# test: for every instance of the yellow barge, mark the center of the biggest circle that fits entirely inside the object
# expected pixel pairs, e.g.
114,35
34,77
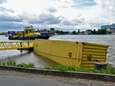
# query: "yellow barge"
73,54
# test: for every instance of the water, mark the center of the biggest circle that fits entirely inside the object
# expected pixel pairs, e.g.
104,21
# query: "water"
15,55
99,39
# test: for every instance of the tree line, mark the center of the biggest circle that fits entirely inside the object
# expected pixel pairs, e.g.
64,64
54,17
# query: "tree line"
89,31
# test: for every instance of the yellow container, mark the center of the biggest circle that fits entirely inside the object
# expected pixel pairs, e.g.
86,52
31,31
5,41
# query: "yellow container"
73,54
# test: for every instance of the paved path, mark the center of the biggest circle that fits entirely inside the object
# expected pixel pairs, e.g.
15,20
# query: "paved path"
8,78
21,81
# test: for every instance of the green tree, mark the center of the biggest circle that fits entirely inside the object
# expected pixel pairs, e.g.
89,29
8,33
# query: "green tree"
102,31
94,31
74,32
52,29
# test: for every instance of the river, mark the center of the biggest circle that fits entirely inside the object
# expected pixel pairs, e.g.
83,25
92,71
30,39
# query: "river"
15,55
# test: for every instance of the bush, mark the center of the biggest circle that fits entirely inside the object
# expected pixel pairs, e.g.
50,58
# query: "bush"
23,65
0,63
20,65
8,63
13,63
62,68
30,65
3,63
108,70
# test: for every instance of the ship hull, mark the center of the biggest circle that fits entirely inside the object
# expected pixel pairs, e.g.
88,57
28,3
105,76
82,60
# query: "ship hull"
27,38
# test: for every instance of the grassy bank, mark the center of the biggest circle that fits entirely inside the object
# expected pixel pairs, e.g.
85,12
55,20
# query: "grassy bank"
108,70
14,64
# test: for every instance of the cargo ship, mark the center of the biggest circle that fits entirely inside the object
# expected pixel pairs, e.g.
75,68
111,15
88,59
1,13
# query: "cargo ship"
29,33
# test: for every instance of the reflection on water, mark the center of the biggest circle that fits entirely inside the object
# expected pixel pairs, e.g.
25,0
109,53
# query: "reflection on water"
31,58
15,55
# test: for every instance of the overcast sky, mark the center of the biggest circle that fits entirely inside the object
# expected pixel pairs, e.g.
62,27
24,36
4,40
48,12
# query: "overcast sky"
69,14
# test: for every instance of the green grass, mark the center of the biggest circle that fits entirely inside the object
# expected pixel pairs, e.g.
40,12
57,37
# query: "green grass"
13,64
61,68
109,69
23,65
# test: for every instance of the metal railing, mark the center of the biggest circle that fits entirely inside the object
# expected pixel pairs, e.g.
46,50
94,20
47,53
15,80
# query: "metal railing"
16,45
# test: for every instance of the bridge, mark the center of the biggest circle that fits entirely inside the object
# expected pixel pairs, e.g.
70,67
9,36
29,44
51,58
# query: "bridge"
20,45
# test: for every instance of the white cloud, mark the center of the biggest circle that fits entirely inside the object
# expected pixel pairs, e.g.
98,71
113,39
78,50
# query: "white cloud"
71,12
29,6
3,1
107,10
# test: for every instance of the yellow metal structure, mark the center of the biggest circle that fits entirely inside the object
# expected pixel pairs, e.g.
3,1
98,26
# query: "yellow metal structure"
74,54
92,53
16,45
28,32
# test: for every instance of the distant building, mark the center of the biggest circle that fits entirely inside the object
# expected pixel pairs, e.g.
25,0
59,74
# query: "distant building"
88,32
110,28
